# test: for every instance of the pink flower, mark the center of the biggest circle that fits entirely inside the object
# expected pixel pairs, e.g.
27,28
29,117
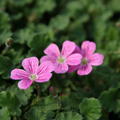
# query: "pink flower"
89,58
33,72
62,60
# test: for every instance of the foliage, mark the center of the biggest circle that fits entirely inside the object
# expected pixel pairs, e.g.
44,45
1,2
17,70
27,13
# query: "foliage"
28,26
91,108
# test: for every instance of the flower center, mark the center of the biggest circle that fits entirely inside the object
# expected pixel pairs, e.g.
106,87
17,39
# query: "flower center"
33,77
61,59
84,61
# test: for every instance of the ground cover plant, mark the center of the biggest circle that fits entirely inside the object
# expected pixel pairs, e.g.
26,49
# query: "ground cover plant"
28,28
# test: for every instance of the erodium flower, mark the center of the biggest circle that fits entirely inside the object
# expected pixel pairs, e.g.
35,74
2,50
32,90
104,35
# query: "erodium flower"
89,58
62,60
33,72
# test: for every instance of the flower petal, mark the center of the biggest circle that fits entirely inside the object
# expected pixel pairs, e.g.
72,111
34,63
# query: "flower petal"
61,68
44,59
96,59
45,77
77,49
68,48
73,68
45,67
52,50
24,84
48,59
30,64
74,59
89,47
18,74
84,70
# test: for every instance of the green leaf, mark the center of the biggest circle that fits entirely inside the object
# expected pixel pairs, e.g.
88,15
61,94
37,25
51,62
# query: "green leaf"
90,108
22,96
4,114
43,36
11,102
71,101
6,65
49,103
110,100
112,35
35,113
75,5
20,3
60,22
114,5
5,31
23,35
100,27
2,4
43,109
74,8
44,86
13,98
44,6
69,116
4,22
